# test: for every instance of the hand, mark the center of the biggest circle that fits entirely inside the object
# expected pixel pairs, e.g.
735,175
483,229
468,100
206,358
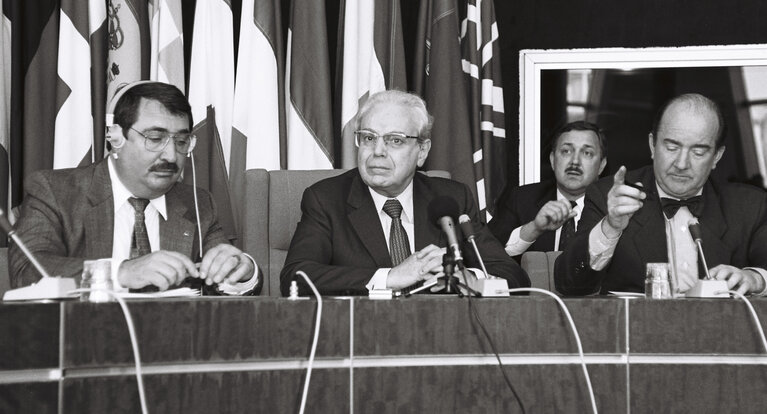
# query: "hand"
226,263
421,265
739,280
622,202
553,215
161,268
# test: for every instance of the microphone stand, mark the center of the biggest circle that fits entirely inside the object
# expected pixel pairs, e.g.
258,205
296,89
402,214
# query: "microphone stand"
448,266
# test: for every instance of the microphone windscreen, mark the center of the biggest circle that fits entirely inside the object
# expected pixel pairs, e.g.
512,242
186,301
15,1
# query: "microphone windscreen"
443,206
466,227
694,227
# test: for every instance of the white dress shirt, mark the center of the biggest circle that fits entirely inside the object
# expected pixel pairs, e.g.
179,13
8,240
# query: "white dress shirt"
516,245
124,220
378,281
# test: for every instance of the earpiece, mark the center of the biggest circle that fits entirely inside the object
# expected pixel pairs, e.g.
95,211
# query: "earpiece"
116,98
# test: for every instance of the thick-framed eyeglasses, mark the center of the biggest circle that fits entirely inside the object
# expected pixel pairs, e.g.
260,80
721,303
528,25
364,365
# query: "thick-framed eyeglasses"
156,141
368,139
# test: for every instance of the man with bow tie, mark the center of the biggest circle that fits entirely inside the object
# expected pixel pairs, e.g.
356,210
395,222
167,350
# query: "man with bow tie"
625,226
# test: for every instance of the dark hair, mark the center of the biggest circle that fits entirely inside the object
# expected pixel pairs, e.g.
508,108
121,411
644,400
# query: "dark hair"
697,102
174,101
582,126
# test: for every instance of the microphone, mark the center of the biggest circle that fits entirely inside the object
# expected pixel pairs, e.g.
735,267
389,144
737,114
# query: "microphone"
694,227
5,225
443,211
468,232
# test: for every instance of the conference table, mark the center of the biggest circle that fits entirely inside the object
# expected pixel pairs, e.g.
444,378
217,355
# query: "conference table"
426,353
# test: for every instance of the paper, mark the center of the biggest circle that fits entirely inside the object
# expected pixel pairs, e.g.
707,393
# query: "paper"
181,292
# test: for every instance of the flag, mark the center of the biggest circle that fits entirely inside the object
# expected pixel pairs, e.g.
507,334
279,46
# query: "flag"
307,90
482,66
258,122
5,109
373,60
439,79
167,43
211,84
129,44
74,127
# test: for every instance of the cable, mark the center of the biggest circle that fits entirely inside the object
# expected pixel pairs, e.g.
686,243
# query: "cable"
314,341
495,351
577,338
196,206
133,340
753,315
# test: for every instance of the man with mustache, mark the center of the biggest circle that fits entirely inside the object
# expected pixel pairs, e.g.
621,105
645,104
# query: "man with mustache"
131,207
544,216
368,228
624,227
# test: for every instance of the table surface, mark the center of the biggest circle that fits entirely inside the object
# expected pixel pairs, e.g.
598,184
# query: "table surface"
424,353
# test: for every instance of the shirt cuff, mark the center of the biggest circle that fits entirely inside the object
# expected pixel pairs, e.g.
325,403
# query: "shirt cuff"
516,245
601,247
378,281
241,288
116,286
763,274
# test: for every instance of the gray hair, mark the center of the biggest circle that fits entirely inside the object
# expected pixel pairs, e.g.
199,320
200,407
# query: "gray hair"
410,100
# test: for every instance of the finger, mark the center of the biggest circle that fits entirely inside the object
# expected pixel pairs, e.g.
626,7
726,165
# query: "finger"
619,176
228,264
175,267
207,260
718,272
624,210
243,271
157,279
425,251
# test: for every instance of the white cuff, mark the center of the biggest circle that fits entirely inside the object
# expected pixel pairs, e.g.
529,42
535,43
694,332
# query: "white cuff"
378,281
516,245
116,286
241,288
763,274
601,247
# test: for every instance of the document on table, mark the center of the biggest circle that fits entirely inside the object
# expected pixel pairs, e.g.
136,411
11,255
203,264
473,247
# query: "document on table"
181,292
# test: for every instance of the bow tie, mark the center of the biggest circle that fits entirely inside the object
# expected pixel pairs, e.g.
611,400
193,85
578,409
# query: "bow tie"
671,206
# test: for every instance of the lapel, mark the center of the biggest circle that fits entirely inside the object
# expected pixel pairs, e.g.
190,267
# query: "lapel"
546,240
98,219
364,220
713,226
650,225
178,231
425,232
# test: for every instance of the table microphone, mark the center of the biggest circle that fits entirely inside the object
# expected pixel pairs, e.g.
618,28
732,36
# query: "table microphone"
468,232
707,288
486,286
694,227
5,225
443,211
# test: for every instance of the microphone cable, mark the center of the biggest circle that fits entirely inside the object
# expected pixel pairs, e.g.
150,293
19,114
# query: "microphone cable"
196,205
575,333
753,315
310,363
133,341
495,351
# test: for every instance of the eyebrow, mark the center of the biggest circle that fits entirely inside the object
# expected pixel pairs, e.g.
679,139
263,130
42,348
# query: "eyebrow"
671,141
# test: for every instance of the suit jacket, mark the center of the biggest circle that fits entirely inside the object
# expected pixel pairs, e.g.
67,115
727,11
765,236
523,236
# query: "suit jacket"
519,206
340,244
733,226
68,216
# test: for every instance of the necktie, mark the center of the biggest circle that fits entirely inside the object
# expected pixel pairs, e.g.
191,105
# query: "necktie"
671,206
140,240
399,246
568,230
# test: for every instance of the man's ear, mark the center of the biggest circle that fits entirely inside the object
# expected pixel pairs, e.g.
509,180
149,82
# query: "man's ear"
423,151
650,140
718,156
114,134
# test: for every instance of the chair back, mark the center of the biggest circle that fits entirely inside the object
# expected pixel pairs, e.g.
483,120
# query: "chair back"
540,268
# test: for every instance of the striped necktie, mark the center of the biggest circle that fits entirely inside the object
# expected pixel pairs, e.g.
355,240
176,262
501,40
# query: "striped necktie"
399,246
140,241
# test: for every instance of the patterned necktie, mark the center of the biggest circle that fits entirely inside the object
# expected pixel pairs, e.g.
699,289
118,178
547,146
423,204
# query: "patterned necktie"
568,230
399,246
671,206
140,241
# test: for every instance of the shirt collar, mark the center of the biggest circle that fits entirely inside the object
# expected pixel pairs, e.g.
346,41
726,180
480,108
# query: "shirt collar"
405,198
120,194
578,201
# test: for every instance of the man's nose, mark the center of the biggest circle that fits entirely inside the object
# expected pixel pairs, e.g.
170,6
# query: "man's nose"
682,160
380,147
169,152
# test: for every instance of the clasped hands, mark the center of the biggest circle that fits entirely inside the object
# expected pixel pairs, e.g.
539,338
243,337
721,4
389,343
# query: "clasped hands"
423,265
164,269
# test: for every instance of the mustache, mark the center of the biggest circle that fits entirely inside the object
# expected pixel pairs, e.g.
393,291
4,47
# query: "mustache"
164,167
574,169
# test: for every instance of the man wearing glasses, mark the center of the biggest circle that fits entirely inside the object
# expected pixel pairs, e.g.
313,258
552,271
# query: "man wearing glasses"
368,228
131,207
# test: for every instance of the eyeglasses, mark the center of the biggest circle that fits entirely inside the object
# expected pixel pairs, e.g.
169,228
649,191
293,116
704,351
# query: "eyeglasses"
368,139
156,141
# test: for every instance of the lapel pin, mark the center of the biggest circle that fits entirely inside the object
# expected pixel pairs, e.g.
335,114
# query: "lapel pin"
187,233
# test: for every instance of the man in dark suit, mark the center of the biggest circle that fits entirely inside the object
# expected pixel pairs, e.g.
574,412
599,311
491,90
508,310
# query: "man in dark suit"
131,207
358,230
624,228
543,216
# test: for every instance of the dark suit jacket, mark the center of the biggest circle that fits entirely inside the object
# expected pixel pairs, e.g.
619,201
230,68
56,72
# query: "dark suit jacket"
339,242
68,217
733,225
519,206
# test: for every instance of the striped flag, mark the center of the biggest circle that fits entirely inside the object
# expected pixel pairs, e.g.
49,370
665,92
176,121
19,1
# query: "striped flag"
211,86
482,66
167,43
5,109
74,129
129,44
373,60
439,79
307,90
